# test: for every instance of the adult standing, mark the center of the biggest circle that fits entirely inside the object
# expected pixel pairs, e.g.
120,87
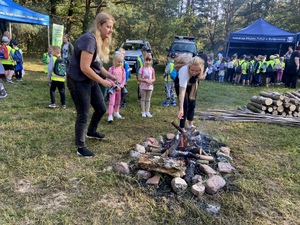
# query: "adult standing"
84,73
287,57
292,69
67,49
189,77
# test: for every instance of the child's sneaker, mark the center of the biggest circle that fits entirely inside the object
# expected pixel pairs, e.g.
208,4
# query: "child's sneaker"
84,152
64,106
144,114
173,103
117,115
9,80
52,105
148,114
110,119
166,104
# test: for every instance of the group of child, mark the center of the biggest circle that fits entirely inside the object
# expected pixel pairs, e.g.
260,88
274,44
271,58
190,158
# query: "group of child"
247,70
116,95
11,57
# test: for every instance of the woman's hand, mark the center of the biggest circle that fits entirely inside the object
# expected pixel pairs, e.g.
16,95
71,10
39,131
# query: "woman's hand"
106,83
180,114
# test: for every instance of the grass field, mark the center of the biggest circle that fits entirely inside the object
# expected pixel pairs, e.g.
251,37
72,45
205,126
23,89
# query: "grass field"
43,181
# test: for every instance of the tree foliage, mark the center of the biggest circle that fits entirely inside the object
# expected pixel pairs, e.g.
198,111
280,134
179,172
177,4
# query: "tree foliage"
209,21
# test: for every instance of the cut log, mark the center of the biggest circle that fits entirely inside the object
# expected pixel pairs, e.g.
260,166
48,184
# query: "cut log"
269,109
272,95
282,113
294,101
254,109
289,106
274,112
173,167
286,100
295,114
259,106
280,108
277,102
262,100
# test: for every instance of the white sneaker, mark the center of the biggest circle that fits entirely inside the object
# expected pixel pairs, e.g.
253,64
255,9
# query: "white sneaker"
144,114
189,126
110,119
117,115
148,114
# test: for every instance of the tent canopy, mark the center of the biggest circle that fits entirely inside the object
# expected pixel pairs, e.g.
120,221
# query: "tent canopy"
260,38
262,32
13,12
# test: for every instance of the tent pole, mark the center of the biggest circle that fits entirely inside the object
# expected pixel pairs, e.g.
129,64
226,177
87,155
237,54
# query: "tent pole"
9,25
280,48
48,37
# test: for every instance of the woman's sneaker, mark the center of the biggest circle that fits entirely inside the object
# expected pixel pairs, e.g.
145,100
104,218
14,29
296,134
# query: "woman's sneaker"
84,152
144,114
96,135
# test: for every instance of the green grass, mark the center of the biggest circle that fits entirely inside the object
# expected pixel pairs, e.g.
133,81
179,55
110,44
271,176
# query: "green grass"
43,181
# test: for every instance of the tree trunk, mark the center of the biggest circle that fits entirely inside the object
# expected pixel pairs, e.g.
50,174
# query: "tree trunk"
262,100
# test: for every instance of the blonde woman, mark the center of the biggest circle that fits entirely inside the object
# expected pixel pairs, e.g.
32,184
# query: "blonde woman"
84,74
189,76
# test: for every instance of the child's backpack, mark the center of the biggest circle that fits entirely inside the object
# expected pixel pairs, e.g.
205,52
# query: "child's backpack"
238,68
60,67
17,56
263,67
3,52
45,58
269,69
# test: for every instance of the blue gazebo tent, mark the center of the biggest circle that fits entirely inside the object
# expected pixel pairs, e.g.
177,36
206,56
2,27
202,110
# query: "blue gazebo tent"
12,12
261,38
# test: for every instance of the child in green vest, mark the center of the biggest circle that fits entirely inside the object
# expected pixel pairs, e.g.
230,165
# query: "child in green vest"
169,82
46,58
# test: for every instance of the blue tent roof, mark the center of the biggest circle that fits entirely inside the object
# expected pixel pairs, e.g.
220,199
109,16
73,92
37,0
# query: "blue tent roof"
11,11
262,32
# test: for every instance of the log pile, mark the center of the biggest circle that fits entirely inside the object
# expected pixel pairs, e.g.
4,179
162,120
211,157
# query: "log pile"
286,105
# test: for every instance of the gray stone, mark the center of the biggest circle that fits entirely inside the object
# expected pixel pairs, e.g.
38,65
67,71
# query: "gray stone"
121,168
214,183
178,184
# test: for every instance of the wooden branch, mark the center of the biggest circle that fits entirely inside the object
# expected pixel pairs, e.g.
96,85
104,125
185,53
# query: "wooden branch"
254,109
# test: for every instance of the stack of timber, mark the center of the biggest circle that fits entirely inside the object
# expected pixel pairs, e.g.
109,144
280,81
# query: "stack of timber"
287,105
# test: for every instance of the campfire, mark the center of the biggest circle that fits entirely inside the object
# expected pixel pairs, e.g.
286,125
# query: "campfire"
192,159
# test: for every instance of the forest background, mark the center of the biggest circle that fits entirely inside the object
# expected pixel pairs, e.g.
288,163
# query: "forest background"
158,21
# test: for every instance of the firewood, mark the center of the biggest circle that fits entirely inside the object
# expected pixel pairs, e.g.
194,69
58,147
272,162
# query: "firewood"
274,112
262,100
282,113
254,109
270,109
272,95
289,106
277,102
296,94
295,114
171,166
289,94
294,101
208,158
280,108
259,106
286,100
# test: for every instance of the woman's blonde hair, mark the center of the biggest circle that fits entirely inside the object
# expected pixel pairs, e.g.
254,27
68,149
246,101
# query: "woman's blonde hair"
102,45
197,61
